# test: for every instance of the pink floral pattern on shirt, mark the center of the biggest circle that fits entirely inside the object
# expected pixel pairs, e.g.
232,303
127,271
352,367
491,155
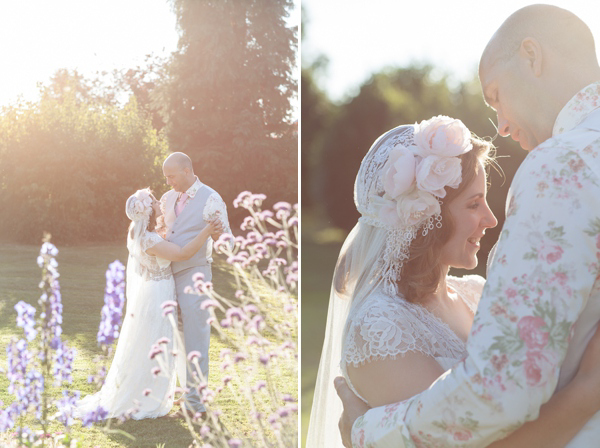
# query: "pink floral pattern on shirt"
544,272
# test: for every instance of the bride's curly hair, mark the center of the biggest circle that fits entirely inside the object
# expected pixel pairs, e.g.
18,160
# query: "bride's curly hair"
422,273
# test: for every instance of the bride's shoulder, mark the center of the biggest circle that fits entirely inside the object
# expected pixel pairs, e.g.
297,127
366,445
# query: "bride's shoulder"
470,286
379,306
470,281
149,239
384,326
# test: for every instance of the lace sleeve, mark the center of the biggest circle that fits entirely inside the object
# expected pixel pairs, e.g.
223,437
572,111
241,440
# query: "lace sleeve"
386,328
149,240
215,208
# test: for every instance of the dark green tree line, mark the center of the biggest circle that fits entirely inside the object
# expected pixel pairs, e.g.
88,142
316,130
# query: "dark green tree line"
227,98
335,138
69,162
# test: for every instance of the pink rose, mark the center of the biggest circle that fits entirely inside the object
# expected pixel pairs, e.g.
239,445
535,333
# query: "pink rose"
462,434
361,437
550,253
499,361
598,241
434,173
387,212
442,136
399,171
416,206
530,331
538,365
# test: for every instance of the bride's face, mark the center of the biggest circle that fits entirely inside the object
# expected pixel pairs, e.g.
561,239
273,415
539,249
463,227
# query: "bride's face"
471,215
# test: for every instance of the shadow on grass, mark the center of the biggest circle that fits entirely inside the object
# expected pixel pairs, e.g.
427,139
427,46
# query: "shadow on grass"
152,432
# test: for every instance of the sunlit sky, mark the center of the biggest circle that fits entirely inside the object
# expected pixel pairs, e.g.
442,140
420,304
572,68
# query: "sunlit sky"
360,37
39,37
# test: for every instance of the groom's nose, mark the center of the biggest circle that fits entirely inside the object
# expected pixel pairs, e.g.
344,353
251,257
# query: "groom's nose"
503,126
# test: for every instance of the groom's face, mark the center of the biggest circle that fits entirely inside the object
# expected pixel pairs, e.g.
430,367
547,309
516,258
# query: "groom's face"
176,177
506,88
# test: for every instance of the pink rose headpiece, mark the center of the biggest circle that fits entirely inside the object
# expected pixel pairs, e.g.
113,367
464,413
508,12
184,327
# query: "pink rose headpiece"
402,180
139,206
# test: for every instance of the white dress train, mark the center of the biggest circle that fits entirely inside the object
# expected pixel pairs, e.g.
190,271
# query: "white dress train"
149,284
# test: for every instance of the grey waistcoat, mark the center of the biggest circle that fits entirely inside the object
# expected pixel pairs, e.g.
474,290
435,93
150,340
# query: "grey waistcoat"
187,225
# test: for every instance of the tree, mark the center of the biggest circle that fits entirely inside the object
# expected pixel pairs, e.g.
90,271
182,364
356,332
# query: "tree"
317,115
68,164
227,99
385,101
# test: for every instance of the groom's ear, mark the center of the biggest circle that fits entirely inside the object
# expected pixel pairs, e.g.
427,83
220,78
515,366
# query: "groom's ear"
531,52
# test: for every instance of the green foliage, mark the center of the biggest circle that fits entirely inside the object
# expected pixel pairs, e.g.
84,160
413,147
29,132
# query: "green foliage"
69,162
335,138
227,99
317,115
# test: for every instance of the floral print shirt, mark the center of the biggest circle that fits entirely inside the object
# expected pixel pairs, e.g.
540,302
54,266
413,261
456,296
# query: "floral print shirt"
544,279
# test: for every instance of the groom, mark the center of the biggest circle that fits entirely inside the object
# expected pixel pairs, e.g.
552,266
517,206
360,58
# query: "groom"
187,208
541,302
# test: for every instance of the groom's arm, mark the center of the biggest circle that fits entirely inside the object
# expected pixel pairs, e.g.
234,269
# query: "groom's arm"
218,210
545,266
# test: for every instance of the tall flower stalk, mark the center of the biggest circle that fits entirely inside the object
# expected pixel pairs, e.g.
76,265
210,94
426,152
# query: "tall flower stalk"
42,360
30,369
260,324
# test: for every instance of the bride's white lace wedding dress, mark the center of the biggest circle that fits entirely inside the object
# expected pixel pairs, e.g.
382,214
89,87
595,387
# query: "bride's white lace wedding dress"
149,284
381,326
387,327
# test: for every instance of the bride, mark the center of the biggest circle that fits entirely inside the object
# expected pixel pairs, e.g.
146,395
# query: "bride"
396,319
133,386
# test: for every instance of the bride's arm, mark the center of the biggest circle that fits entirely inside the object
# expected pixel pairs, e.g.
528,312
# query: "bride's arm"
173,252
567,411
388,381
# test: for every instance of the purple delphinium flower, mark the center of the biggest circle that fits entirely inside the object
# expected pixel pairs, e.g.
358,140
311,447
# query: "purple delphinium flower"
94,416
63,363
114,299
234,442
66,406
50,300
7,420
26,319
18,356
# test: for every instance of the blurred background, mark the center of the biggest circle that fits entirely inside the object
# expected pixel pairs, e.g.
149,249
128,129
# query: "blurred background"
366,68
94,95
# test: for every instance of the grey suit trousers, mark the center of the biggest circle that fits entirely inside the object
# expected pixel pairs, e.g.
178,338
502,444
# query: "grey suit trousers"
195,331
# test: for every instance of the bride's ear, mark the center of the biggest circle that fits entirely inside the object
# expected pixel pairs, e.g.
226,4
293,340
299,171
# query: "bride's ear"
531,52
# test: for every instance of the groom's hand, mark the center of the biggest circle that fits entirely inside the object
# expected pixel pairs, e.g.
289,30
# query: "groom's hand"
354,407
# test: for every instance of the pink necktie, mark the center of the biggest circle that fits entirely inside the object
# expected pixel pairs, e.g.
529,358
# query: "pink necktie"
180,204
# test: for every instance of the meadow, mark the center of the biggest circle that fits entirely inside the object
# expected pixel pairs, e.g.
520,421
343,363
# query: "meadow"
82,279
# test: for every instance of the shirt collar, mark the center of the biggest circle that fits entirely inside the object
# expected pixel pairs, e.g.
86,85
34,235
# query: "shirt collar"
191,192
578,108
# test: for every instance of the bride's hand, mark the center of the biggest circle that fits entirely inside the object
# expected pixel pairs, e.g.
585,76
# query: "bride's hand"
215,227
588,374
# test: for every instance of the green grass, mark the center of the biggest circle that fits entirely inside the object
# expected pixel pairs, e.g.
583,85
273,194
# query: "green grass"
82,279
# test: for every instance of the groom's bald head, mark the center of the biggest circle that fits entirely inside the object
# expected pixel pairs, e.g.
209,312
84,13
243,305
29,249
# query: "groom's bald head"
538,59
179,160
179,171
555,28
